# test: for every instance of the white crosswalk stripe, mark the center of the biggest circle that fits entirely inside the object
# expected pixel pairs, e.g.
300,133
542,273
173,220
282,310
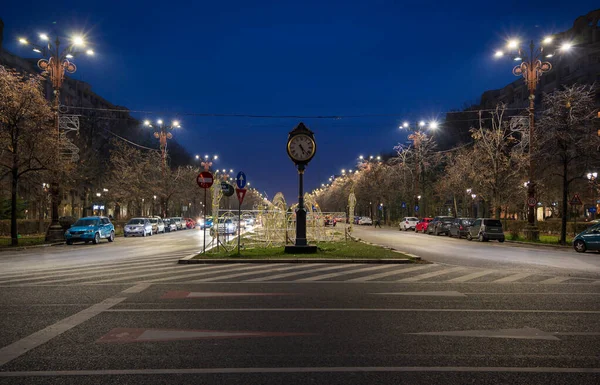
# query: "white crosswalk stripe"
164,268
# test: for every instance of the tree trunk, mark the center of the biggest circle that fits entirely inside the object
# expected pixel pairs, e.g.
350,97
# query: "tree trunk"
455,206
14,240
565,188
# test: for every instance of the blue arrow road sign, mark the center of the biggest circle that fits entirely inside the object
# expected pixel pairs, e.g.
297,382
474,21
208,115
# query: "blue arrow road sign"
416,208
592,209
241,179
403,205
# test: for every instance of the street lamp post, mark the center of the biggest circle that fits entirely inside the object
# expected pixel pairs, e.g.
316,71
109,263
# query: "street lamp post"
55,67
417,137
468,194
473,196
592,176
163,133
531,68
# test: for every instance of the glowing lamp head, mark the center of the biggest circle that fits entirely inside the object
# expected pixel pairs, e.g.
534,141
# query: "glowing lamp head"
513,44
547,40
69,56
215,157
518,58
43,36
176,123
22,40
197,156
90,52
37,50
566,46
159,121
146,122
499,54
434,125
78,40
361,157
421,124
405,124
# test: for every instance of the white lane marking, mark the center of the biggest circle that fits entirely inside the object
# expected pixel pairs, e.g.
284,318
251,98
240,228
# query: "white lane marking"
349,369
178,268
79,269
137,288
555,280
271,277
512,278
265,270
155,310
22,346
421,277
388,273
523,333
76,276
427,293
471,276
347,272
212,269
304,369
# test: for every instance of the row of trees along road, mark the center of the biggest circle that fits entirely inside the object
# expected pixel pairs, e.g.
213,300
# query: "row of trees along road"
494,165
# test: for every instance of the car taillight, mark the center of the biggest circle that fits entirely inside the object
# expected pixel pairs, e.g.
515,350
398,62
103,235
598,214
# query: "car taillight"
461,227
407,222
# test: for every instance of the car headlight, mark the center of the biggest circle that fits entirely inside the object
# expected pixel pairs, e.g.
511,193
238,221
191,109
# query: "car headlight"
67,232
90,231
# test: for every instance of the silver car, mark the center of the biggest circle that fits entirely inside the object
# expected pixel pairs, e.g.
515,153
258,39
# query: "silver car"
138,226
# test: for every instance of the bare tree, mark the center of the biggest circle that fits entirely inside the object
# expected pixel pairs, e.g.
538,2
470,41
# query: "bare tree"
567,144
28,139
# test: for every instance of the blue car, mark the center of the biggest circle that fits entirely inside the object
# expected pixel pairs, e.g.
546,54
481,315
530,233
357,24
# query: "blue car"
90,229
589,239
203,225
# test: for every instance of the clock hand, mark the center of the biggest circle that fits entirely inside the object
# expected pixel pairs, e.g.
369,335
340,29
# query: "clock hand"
302,148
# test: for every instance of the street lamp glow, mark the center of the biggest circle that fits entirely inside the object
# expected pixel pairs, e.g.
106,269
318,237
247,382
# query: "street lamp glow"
513,44
78,40
405,124
518,58
197,156
89,52
361,157
22,40
343,171
378,157
434,125
37,50
146,122
159,121
422,123
69,56
566,46
547,40
215,157
371,157
98,194
549,55
230,170
469,191
473,196
350,171
43,36
176,123
499,54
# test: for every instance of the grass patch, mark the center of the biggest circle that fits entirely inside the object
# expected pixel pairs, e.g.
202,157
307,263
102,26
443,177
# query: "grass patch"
544,239
341,250
26,240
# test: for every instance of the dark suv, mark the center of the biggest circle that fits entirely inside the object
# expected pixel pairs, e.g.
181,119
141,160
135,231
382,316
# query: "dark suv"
440,225
485,229
460,227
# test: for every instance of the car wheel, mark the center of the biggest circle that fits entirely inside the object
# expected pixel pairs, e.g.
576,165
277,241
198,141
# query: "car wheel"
579,246
501,240
69,242
144,233
96,239
482,238
111,237
125,235
86,242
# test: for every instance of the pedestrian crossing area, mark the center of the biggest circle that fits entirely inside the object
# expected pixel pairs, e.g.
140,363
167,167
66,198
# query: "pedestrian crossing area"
165,269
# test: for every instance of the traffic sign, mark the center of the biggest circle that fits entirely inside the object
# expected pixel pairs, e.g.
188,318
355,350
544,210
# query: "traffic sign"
204,179
592,209
227,189
240,180
241,193
403,205
576,200
416,208
531,201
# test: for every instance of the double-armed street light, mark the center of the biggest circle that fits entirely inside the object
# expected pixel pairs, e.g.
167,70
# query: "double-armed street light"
533,62
417,136
57,59
592,178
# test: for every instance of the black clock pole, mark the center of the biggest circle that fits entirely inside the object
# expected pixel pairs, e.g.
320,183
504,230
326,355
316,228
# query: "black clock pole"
301,213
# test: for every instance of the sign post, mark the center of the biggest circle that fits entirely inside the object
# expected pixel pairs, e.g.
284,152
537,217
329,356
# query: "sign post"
204,180
240,180
575,202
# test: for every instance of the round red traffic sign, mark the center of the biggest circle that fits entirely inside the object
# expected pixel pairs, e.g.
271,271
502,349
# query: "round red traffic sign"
531,201
205,179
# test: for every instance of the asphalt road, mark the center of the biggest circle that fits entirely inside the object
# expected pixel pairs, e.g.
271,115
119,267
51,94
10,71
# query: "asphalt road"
128,313
492,254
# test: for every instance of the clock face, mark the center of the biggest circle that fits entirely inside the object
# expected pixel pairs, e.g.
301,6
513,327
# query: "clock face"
301,147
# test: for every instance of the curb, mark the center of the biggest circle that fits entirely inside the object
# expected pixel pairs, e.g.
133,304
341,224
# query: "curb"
20,248
187,260
415,257
539,244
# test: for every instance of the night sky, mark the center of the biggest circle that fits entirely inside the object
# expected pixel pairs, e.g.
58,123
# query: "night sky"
179,58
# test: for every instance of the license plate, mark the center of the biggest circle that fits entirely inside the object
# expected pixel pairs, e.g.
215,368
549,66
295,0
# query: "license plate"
75,235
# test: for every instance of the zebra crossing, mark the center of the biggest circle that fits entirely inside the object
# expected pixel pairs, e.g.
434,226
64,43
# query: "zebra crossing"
164,269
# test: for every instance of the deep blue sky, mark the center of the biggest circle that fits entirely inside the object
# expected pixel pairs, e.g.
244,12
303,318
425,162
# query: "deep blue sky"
417,60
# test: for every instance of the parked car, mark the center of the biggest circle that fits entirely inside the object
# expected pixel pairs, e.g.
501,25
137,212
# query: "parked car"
169,225
241,223
250,220
179,222
460,226
485,229
138,226
408,223
423,224
90,229
589,239
439,225
158,225
226,226
189,223
365,221
208,224
329,221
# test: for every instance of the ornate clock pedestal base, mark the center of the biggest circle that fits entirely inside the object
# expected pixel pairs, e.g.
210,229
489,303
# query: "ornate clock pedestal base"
308,249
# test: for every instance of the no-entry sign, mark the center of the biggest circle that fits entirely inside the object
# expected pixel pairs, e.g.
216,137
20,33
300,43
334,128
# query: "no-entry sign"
205,179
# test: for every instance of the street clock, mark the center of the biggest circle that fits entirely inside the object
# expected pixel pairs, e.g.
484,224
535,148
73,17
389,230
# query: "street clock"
301,145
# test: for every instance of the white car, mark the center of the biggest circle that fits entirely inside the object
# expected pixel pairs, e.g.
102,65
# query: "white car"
226,226
365,221
158,226
408,223
137,226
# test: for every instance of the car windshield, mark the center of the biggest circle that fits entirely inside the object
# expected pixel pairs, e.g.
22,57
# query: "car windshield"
86,222
411,219
153,220
136,221
447,220
492,222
